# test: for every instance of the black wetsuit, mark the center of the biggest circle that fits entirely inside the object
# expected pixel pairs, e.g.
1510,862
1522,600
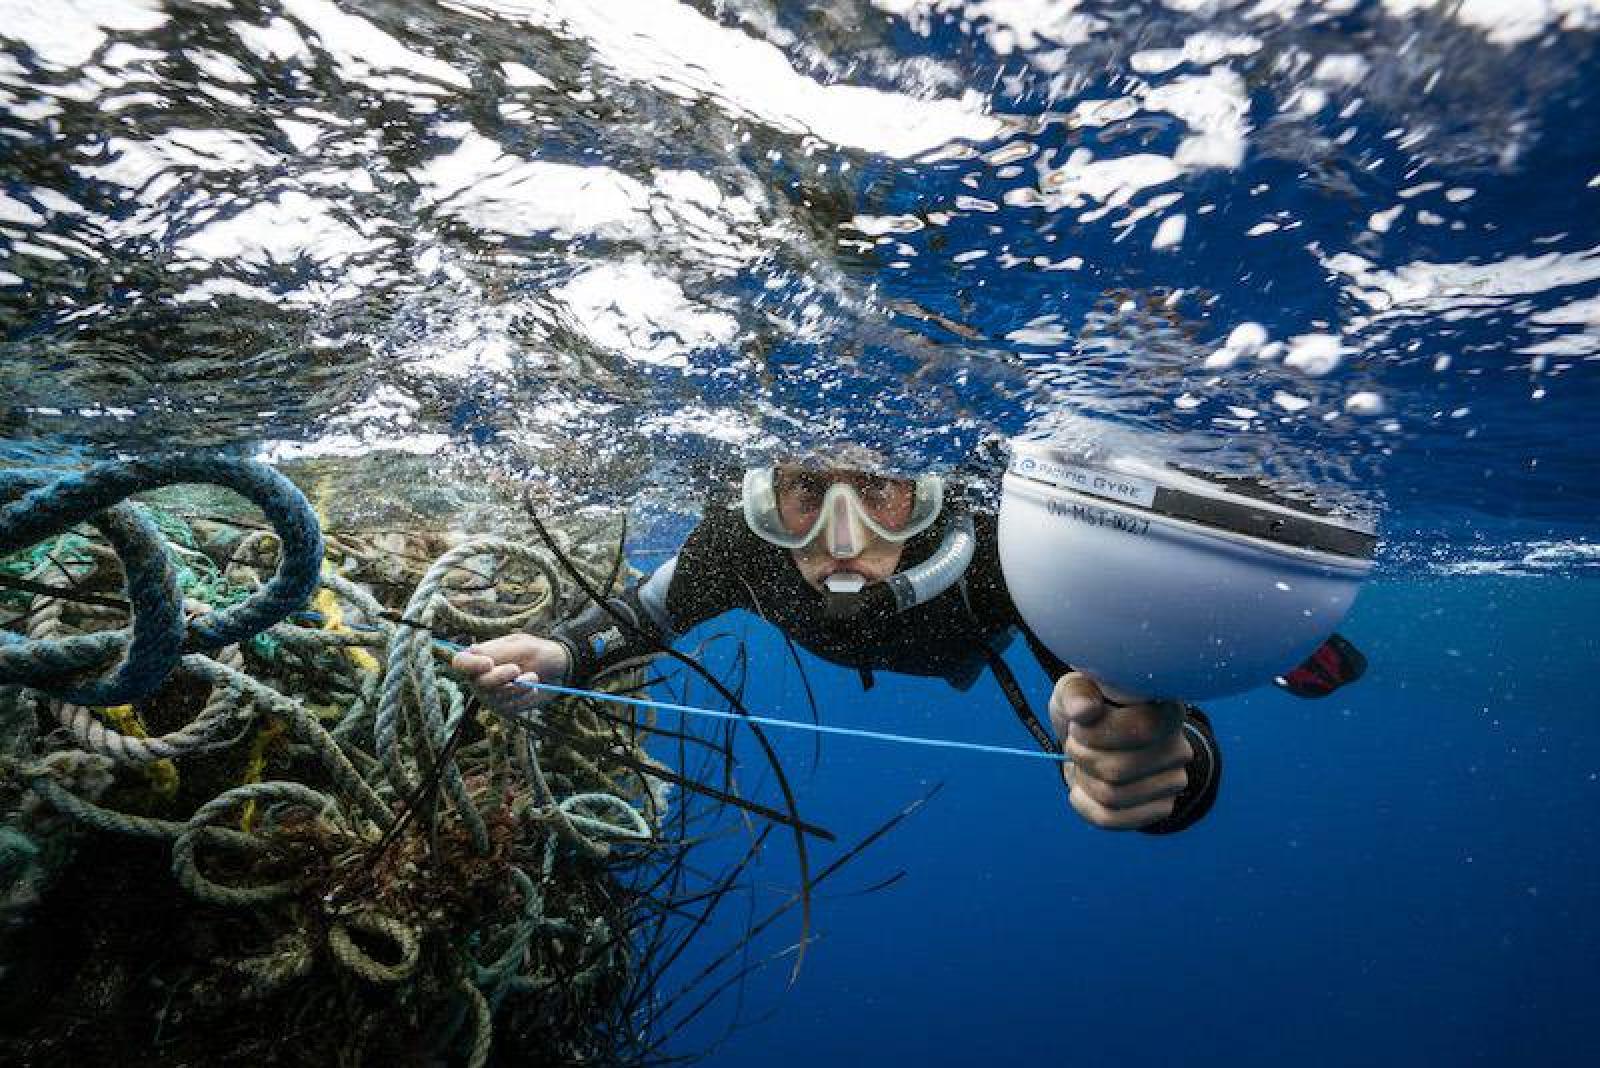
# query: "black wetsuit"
724,566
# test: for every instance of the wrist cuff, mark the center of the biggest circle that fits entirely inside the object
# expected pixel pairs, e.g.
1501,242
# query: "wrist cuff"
1205,777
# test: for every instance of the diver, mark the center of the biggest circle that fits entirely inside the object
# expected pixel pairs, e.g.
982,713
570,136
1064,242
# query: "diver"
881,573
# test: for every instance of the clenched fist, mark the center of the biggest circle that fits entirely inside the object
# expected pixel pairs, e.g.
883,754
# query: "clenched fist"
1127,760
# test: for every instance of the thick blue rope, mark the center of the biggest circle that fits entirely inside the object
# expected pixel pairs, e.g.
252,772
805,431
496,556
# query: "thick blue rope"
159,636
149,653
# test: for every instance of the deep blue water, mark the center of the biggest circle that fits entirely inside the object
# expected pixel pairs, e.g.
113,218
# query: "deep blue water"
1403,873
604,249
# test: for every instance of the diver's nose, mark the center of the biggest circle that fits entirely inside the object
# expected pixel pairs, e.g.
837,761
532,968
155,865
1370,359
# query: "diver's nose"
846,538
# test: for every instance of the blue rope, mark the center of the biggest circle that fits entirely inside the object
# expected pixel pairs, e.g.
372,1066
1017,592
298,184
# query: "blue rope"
159,635
768,721
148,654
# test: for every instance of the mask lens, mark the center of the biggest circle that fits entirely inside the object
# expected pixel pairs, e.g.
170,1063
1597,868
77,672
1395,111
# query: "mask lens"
888,501
800,496
790,506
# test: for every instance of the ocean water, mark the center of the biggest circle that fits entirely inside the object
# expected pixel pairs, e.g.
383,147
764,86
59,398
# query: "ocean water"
607,250
1402,873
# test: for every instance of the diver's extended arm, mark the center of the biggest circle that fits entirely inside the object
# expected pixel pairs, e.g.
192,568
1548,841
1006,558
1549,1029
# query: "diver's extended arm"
624,631
627,629
698,584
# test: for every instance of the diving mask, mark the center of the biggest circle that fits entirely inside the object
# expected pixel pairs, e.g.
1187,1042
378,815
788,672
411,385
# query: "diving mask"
792,506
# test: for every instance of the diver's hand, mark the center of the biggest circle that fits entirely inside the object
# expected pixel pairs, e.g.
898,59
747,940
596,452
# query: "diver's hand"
495,667
1128,761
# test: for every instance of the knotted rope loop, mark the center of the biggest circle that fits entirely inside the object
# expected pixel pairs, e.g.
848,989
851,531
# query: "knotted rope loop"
149,653
405,940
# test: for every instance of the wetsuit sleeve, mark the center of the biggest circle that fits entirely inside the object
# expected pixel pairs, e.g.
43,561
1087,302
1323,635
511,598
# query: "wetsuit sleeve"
1205,776
613,636
633,627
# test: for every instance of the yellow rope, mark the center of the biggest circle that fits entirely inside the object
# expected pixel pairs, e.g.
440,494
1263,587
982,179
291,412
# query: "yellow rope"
332,620
255,766
162,774
325,602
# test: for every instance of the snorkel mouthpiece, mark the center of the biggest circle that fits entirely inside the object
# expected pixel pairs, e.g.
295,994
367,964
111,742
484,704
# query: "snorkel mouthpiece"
848,595
845,582
842,598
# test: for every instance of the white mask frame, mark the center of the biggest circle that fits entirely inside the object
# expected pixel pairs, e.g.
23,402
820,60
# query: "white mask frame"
842,517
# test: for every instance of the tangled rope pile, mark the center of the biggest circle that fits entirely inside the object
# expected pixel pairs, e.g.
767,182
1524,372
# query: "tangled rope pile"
352,842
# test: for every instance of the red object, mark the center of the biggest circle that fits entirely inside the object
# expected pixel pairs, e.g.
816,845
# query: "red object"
1335,663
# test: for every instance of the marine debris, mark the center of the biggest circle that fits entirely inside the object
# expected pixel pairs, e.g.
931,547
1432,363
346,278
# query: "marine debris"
258,821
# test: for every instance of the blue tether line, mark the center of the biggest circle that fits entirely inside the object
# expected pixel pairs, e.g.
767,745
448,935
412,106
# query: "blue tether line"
768,721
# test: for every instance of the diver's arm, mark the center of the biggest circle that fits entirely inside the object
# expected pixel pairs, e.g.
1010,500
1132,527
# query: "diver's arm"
698,584
622,632
629,628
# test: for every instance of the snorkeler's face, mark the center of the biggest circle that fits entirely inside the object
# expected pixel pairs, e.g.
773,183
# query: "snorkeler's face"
856,522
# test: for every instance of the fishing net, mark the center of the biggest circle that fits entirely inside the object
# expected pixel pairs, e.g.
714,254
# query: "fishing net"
313,847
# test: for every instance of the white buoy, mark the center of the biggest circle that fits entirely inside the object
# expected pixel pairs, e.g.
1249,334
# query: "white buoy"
1159,583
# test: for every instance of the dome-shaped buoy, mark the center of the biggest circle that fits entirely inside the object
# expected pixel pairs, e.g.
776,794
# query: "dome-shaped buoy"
1159,582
